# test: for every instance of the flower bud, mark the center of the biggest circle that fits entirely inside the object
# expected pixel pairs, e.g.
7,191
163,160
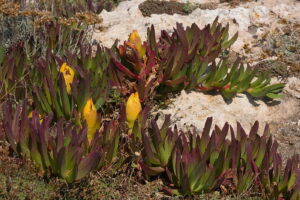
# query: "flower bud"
68,74
133,108
135,40
89,114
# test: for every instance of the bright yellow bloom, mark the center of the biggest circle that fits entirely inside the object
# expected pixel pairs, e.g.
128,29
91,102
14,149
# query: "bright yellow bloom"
30,116
135,42
89,114
68,74
133,108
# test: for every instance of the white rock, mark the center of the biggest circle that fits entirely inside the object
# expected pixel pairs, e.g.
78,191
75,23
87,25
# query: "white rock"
283,10
127,16
293,87
194,108
260,15
198,1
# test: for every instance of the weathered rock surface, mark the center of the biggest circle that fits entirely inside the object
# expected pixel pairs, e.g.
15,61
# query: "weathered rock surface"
252,20
293,87
263,15
193,108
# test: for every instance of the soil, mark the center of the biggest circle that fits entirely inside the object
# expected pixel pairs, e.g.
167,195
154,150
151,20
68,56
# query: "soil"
170,7
274,67
20,179
284,43
234,2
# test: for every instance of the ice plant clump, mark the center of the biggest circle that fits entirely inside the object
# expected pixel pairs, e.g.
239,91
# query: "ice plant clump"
133,108
158,147
68,74
136,61
89,114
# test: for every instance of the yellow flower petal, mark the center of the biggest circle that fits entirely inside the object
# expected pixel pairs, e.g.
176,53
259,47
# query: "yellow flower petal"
31,114
133,108
68,74
135,39
89,114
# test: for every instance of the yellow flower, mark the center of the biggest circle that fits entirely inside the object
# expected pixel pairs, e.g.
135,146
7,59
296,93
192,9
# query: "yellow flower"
89,114
135,42
133,108
30,116
68,74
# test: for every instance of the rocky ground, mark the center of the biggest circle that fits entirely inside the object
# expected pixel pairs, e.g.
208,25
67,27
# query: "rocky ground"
269,38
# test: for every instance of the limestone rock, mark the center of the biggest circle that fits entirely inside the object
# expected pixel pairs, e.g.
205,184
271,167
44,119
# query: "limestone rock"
192,109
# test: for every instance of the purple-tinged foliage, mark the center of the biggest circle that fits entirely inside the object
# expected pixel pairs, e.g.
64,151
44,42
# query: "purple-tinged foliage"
184,56
158,146
133,67
173,63
185,59
15,130
90,81
209,161
62,148
14,71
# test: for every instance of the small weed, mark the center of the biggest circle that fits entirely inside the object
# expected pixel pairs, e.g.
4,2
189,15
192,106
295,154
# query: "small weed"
188,7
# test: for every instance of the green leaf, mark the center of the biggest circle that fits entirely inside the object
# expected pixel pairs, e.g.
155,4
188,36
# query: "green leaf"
291,181
274,96
36,156
42,100
258,81
87,164
227,44
69,164
113,148
2,54
65,97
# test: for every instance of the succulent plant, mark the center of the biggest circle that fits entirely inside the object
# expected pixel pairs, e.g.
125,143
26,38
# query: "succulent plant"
237,79
51,95
15,130
276,181
136,64
14,71
288,185
197,163
137,57
61,148
158,147
187,52
74,83
185,59
67,91
94,65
